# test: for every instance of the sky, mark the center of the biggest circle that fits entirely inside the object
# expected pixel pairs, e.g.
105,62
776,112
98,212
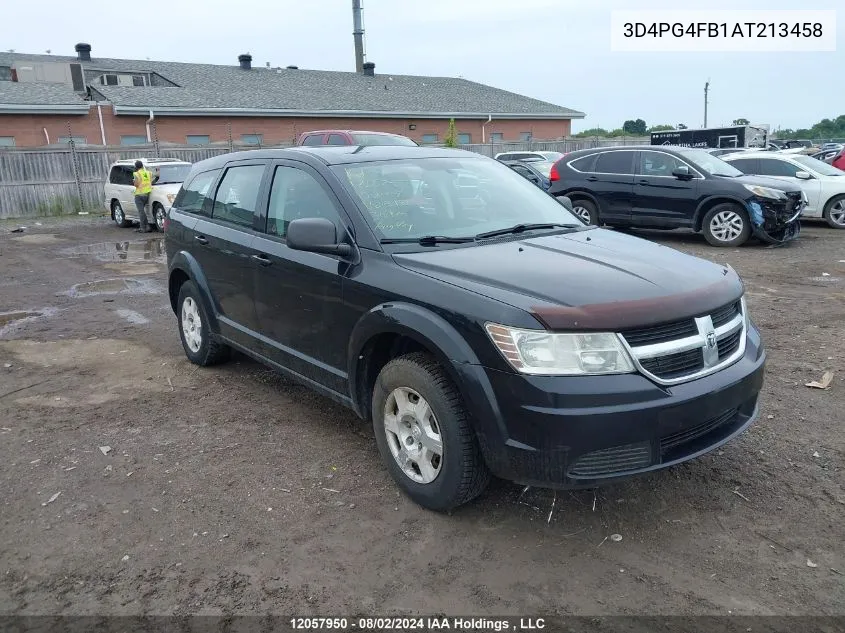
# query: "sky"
556,51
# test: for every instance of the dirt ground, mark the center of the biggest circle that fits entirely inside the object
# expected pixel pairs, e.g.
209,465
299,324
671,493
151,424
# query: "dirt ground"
229,490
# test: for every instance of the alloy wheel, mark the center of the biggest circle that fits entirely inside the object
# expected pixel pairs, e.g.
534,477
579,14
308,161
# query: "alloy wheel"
837,212
726,226
413,435
119,217
161,215
191,324
582,213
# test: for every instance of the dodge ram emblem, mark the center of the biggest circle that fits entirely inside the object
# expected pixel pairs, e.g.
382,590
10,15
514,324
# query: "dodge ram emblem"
711,340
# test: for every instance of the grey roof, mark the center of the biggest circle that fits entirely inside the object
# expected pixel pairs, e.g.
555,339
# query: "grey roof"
48,98
204,87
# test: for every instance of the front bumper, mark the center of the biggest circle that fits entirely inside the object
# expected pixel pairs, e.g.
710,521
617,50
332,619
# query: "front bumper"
776,222
574,432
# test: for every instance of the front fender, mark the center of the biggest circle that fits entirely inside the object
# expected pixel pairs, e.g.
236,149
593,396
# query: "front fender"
184,264
450,348
704,204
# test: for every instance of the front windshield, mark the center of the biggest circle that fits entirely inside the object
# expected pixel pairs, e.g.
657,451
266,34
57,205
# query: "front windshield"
169,174
709,163
817,166
449,197
382,139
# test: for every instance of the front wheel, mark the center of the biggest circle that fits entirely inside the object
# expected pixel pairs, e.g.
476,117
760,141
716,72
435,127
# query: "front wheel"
424,435
160,216
118,215
726,225
834,212
200,346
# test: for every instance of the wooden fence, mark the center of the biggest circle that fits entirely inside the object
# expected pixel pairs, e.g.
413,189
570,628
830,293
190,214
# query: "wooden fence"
38,182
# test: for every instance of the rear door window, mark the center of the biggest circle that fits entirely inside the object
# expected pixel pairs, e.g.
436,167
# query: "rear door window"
236,200
615,163
774,167
196,196
745,165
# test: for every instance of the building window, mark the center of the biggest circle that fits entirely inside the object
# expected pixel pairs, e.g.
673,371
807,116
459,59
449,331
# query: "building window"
497,137
252,139
464,139
76,139
133,139
525,136
198,139
429,138
7,141
5,73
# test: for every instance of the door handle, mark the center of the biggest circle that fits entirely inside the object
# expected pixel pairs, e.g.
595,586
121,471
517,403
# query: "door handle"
201,239
643,181
262,259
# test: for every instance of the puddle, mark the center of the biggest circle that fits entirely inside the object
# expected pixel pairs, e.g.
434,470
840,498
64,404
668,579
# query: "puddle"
38,238
10,321
139,251
135,318
114,287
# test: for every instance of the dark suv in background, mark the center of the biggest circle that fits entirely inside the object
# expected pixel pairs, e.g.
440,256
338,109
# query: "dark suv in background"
668,188
476,322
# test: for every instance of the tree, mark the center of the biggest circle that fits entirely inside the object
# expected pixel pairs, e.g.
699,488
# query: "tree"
593,131
635,128
681,126
824,129
660,128
451,139
741,122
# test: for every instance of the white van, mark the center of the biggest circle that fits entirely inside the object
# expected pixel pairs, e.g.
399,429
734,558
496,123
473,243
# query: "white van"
119,190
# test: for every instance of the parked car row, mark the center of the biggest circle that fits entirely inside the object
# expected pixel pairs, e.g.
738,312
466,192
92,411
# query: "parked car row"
119,190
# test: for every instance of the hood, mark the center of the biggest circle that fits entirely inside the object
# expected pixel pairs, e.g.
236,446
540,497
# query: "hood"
170,187
593,279
763,181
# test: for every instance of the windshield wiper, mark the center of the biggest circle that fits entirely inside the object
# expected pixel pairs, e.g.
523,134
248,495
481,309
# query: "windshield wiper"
427,240
520,228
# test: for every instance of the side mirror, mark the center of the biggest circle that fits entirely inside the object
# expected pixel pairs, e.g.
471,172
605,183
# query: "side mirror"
566,203
316,235
682,172
802,175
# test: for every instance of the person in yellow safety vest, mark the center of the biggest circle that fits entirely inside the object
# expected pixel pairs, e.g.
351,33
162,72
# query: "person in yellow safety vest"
143,189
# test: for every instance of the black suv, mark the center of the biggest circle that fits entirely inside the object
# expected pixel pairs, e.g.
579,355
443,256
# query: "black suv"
669,188
476,322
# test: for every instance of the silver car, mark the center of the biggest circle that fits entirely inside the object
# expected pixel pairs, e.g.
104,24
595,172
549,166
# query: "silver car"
119,190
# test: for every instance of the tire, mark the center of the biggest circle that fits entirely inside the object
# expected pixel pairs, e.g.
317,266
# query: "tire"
200,346
459,474
118,215
834,212
726,225
586,210
159,215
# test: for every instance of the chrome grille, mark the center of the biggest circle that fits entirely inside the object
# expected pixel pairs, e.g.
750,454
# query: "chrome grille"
713,341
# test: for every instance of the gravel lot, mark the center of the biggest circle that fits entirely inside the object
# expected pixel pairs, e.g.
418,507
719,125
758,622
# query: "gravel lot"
230,490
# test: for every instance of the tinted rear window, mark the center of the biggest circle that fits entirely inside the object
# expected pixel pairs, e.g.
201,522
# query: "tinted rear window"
196,196
585,163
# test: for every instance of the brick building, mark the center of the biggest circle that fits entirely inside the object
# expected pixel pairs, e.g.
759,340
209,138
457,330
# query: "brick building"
45,99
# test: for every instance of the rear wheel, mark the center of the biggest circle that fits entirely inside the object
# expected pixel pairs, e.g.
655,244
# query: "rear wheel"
586,210
834,212
118,215
726,225
194,329
424,435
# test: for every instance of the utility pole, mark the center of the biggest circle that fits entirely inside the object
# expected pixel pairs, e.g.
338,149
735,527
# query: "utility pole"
358,35
706,89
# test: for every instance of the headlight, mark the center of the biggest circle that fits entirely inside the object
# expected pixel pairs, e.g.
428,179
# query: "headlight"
766,192
553,354
171,197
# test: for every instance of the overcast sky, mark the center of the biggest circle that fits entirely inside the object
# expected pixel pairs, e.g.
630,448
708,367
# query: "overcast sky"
557,51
